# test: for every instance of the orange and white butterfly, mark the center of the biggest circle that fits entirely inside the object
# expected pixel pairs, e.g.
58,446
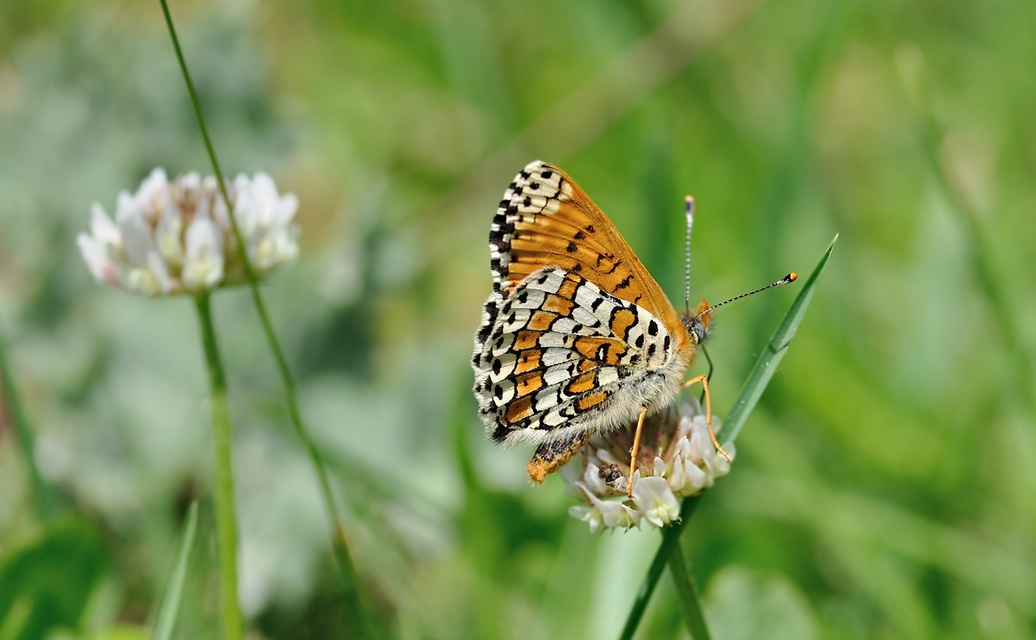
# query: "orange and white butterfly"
576,338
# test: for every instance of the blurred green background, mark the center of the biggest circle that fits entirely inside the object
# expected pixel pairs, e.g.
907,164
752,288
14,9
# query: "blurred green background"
883,489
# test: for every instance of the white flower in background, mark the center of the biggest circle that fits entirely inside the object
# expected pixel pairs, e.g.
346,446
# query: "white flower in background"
175,237
677,459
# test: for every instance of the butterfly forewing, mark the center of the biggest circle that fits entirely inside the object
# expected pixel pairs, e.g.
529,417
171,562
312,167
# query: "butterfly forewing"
546,219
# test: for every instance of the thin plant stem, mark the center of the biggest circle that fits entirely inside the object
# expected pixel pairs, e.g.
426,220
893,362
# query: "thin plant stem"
670,539
753,388
338,542
226,522
687,595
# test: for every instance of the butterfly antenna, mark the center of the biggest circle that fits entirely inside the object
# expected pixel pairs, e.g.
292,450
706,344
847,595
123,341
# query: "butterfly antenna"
687,253
788,279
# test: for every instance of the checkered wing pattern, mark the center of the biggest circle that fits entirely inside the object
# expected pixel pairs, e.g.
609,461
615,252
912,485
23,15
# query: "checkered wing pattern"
565,357
576,336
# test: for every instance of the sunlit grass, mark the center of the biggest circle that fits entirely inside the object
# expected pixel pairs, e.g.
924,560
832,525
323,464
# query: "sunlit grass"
884,486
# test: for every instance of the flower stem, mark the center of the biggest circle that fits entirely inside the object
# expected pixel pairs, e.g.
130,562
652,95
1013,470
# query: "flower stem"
670,540
226,523
687,596
338,541
746,401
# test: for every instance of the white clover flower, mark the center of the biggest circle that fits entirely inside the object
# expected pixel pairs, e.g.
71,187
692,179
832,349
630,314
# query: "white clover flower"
175,237
607,513
677,459
655,499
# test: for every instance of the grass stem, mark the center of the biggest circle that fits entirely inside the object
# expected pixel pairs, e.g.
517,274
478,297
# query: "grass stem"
226,520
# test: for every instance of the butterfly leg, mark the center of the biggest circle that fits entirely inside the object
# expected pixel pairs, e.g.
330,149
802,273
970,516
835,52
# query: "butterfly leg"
635,450
708,412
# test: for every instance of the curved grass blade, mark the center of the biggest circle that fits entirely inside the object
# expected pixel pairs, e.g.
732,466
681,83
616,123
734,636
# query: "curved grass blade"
170,606
772,355
687,596
746,401
339,545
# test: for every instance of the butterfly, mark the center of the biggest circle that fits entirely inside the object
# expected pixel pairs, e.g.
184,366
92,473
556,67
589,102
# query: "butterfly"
576,338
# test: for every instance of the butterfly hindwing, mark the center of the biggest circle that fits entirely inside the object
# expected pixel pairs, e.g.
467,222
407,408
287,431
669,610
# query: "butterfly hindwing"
563,357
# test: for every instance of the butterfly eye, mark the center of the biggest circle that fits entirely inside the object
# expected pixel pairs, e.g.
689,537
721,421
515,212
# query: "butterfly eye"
697,329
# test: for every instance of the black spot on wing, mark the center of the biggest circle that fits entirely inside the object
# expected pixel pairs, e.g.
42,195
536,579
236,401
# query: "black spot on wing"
625,282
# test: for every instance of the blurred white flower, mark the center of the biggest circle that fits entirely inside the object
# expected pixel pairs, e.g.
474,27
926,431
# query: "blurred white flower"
175,237
677,459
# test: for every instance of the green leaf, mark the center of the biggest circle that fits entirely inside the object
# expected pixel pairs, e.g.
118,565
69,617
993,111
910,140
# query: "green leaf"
746,401
772,355
46,584
165,620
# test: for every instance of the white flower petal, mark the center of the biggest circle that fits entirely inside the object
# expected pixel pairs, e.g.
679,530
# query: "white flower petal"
168,234
169,237
593,481
101,267
125,208
658,467
136,241
273,250
203,265
102,228
609,513
151,193
695,479
655,500
687,466
591,515
616,514
142,280
158,268
285,210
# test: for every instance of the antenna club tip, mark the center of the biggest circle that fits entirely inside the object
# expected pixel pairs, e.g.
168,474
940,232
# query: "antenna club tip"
791,277
689,201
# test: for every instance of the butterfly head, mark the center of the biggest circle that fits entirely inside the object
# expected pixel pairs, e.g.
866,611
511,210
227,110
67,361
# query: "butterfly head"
697,324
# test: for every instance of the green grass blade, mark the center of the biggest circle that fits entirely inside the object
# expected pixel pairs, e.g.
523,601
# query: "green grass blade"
339,545
687,596
747,399
166,618
670,538
772,355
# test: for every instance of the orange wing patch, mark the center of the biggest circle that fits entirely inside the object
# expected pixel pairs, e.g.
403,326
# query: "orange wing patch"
622,320
590,401
582,384
528,361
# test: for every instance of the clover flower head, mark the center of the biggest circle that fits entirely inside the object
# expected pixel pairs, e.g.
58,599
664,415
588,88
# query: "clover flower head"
174,237
676,459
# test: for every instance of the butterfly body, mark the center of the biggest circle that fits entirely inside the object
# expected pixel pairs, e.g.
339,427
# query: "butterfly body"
576,338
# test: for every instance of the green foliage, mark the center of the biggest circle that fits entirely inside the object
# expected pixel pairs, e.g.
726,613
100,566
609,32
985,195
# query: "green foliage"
45,584
883,487
165,620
